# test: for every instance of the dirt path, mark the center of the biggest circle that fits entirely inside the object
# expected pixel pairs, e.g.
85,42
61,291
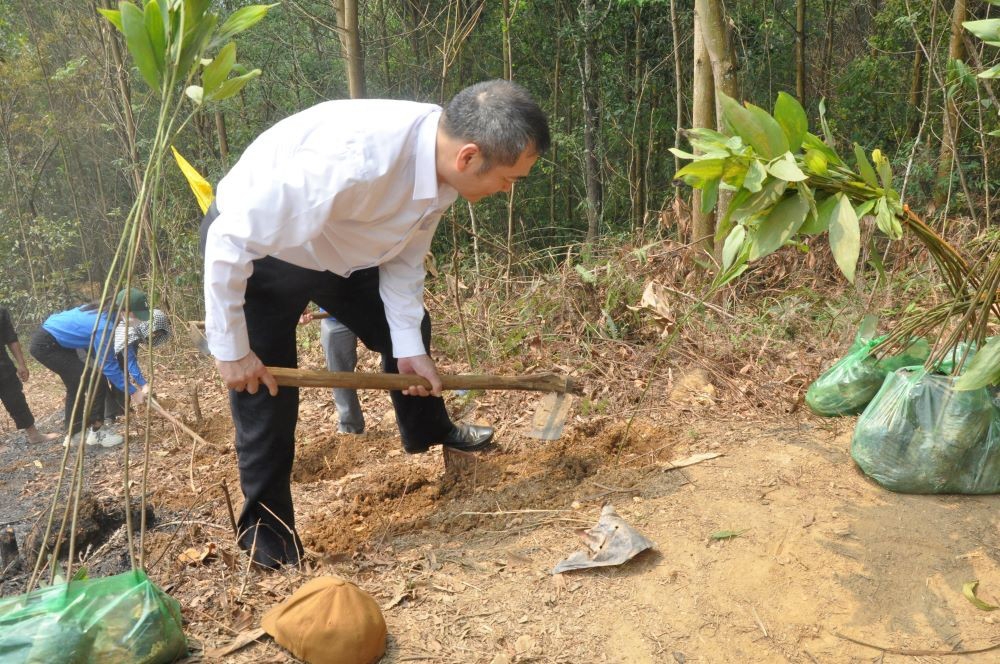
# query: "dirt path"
462,563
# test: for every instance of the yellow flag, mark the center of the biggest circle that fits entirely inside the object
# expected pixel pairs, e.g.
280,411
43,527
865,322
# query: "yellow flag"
199,185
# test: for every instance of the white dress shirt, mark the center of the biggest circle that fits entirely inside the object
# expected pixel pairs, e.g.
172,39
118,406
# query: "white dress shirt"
342,186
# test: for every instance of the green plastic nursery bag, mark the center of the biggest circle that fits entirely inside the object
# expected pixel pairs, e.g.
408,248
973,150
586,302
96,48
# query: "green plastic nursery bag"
920,435
115,619
848,386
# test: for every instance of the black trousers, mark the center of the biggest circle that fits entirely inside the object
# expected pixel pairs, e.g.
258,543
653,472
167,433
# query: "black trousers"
276,294
12,397
70,368
114,399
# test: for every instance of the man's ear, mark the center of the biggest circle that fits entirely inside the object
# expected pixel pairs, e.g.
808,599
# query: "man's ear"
467,154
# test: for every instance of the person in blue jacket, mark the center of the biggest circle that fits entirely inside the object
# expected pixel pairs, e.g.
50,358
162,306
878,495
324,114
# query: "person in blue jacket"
92,329
156,331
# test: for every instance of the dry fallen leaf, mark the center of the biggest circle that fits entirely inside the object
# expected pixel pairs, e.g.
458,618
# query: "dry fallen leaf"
240,641
193,556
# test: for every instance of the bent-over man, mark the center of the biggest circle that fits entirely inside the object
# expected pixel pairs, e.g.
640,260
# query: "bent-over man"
337,205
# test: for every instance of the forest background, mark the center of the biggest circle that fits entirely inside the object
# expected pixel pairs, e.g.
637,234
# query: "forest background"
618,80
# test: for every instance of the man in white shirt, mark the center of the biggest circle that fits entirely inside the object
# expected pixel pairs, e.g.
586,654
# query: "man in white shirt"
338,205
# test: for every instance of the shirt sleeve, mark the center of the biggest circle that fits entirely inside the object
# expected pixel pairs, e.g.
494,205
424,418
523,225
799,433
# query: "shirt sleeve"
133,365
102,344
401,285
285,214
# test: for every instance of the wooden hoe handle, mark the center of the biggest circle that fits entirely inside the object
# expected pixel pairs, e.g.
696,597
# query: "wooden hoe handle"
382,381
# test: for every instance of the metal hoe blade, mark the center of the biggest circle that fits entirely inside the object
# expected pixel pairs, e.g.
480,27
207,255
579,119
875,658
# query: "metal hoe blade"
550,416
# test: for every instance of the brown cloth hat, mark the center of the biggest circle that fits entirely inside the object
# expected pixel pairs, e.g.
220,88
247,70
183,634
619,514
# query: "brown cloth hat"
329,621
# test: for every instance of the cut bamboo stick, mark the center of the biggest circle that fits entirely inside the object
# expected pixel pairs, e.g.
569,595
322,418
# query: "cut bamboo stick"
382,381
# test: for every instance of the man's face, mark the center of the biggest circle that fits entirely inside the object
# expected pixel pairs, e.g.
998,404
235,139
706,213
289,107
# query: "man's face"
473,185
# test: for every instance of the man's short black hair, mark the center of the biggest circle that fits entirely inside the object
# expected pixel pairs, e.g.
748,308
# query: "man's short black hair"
501,118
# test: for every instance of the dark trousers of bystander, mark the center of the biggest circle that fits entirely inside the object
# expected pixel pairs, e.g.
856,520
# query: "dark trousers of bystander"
70,368
12,397
276,294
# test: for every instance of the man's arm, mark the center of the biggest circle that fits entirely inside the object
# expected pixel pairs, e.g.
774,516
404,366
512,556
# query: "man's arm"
21,365
401,285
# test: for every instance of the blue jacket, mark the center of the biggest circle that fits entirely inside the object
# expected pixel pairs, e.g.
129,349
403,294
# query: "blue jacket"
74,329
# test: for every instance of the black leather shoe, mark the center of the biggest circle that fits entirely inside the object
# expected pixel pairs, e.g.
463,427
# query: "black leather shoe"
468,437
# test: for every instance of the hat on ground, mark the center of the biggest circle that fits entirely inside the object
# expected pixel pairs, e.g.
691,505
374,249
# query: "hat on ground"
138,303
329,621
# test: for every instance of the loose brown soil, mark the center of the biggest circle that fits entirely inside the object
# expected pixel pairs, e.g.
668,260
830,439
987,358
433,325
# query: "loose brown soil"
461,560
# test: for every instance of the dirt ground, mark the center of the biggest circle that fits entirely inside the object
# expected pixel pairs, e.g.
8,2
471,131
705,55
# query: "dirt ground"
822,559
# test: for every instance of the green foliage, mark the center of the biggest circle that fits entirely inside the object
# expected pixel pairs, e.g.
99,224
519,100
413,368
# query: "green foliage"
780,195
168,42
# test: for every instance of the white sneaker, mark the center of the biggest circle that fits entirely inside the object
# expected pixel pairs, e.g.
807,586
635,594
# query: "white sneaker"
104,438
74,439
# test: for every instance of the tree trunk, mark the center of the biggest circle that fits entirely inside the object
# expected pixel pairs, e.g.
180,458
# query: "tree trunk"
702,115
800,51
223,135
916,87
350,45
591,122
678,98
949,130
718,42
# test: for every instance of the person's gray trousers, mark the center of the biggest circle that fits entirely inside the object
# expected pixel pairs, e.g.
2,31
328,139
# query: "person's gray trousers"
341,348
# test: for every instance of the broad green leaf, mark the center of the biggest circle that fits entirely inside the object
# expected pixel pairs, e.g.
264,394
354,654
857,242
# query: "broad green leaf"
863,208
734,172
769,194
733,245
218,70
775,135
755,177
700,171
845,236
813,142
992,72
195,41
984,369
786,169
703,134
883,167
232,86
886,220
987,29
154,28
114,16
194,11
792,118
139,46
781,224
682,154
738,268
806,194
821,222
827,134
969,590
240,20
766,139
816,162
864,167
195,93
709,196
